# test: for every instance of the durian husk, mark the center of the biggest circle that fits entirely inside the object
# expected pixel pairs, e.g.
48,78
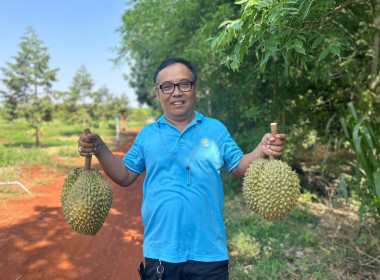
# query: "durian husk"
86,200
271,189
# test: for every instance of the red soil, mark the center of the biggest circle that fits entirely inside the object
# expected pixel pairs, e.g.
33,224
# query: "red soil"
37,243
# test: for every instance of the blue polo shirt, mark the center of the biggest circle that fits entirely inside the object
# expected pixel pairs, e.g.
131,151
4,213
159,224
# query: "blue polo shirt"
184,222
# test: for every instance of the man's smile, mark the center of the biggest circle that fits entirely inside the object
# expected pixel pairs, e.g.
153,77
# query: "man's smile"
178,103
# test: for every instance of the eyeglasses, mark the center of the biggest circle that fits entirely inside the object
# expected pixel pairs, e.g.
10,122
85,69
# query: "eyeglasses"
169,88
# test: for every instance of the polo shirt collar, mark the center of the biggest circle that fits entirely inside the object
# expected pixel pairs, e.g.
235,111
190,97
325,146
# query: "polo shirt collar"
198,118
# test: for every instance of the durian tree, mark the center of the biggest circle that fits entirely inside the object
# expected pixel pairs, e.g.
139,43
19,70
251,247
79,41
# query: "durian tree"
29,82
98,107
105,106
80,93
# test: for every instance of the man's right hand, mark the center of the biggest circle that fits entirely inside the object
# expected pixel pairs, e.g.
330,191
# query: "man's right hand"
90,144
114,167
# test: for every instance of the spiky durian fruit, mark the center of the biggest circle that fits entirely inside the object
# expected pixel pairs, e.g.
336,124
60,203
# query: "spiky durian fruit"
86,200
271,189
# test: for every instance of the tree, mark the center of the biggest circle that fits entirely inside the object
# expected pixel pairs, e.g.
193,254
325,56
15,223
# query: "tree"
298,37
80,92
98,107
81,85
301,35
298,91
29,81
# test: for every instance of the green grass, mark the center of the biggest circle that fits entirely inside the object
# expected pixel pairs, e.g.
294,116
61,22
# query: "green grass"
296,247
10,192
17,149
17,144
285,249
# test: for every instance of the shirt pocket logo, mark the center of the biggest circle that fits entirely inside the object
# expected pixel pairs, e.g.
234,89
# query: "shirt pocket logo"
205,142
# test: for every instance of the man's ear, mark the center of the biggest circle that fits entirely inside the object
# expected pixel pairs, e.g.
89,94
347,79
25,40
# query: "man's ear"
157,93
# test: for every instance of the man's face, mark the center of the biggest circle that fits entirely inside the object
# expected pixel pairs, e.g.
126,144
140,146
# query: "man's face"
178,106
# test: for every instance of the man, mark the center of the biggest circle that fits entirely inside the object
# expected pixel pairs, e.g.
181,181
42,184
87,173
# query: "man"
182,154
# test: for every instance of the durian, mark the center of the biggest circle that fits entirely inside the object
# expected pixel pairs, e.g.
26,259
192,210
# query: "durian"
86,199
271,189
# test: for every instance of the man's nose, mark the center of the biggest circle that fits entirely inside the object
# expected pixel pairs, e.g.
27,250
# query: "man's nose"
177,91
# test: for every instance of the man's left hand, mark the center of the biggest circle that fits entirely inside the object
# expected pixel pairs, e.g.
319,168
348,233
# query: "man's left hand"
273,146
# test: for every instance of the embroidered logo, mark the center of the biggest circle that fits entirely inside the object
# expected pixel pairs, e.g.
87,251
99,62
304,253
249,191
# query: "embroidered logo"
205,142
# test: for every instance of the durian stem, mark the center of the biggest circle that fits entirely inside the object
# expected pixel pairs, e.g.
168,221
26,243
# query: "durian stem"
274,132
87,163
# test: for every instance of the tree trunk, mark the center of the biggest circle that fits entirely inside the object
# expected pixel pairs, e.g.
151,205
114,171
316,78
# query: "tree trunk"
37,136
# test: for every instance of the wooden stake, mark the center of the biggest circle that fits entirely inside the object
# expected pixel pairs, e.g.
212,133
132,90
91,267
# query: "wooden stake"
274,132
87,163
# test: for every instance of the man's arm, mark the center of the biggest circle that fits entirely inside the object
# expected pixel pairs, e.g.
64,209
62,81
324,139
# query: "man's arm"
114,167
269,145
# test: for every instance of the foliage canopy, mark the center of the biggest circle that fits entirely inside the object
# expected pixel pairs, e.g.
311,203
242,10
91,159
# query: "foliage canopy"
294,62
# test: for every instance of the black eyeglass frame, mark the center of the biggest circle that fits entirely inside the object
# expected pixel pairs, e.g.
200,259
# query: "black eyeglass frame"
176,85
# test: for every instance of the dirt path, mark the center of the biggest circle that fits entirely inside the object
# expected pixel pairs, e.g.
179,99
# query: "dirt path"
37,243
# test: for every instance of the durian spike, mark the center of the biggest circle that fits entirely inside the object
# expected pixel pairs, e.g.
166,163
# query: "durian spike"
274,131
87,163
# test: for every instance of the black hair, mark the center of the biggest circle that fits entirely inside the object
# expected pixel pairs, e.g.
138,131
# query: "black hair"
172,60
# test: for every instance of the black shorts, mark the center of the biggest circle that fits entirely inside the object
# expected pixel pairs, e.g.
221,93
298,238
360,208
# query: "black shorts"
190,270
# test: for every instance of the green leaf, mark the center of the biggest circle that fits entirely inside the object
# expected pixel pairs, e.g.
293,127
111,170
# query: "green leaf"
363,161
343,188
356,130
317,42
329,123
327,151
301,37
306,12
237,48
376,141
240,2
340,142
236,25
299,49
298,43
214,43
234,64
324,54
226,60
264,61
271,48
351,107
376,177
367,135
335,50
303,62
225,23
344,126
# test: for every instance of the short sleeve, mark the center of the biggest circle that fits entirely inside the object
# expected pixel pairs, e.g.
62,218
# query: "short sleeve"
232,153
134,160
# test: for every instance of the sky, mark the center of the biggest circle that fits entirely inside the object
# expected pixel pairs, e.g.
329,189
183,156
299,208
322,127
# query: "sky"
75,32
